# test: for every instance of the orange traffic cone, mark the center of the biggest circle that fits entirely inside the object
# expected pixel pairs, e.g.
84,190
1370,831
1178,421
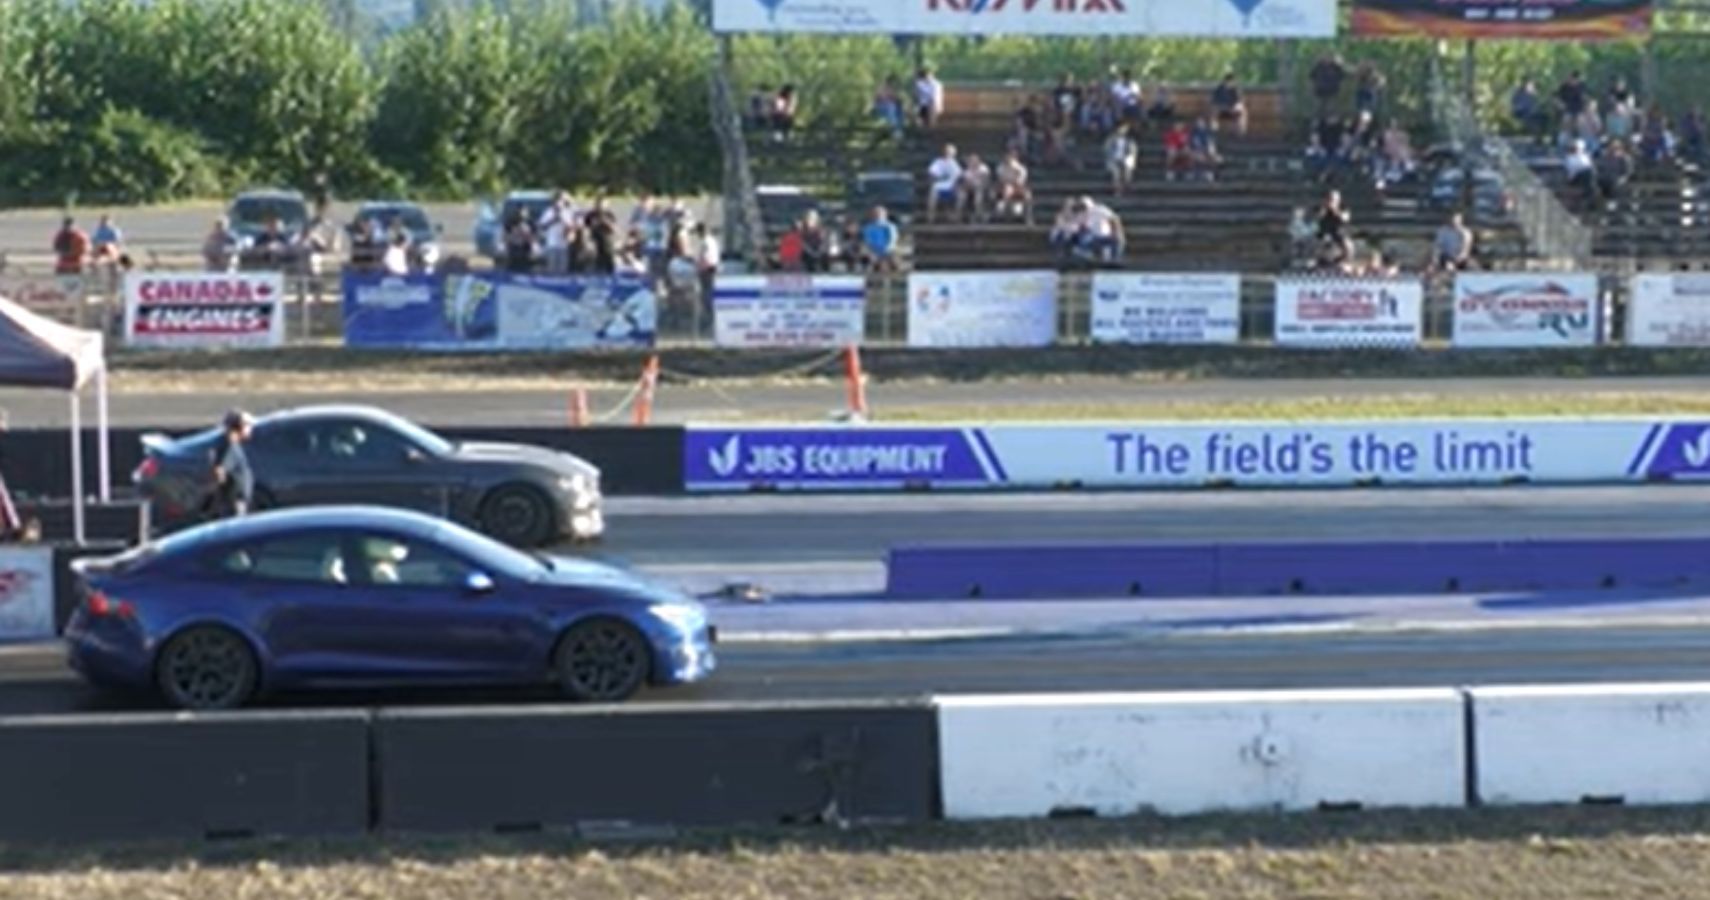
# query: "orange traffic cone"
579,417
649,383
856,381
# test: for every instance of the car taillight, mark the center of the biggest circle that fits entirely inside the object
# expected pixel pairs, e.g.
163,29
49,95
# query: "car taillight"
101,606
150,467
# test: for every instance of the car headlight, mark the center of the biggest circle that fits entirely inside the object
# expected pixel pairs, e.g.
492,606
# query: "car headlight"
576,484
679,616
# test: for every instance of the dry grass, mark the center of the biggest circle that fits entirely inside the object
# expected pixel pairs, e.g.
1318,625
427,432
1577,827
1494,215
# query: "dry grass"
1376,406
1580,854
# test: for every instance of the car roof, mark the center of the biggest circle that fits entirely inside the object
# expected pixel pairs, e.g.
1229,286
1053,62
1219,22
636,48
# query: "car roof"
528,196
270,194
327,410
262,525
389,204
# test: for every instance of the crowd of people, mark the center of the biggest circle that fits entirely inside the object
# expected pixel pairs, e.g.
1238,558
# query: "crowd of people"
870,245
1604,140
1359,139
659,240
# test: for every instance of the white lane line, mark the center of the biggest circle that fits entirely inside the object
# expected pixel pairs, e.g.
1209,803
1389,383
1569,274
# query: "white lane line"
1459,625
853,636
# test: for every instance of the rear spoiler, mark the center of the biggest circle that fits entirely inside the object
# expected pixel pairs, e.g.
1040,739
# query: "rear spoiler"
156,442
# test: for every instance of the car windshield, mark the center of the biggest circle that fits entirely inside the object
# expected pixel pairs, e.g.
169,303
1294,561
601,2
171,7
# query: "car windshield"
411,217
257,211
491,554
528,210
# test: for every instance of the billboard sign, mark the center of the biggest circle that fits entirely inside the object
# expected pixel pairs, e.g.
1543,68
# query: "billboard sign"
204,309
1265,19
1561,20
1522,309
1163,308
498,311
1350,312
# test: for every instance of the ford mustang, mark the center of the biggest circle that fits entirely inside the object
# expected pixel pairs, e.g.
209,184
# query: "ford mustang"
340,597
525,496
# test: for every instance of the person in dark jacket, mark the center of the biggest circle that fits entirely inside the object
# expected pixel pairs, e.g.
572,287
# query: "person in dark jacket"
234,480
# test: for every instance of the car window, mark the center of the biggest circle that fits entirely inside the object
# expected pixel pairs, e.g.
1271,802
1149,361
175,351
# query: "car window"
314,559
284,440
356,443
388,560
257,210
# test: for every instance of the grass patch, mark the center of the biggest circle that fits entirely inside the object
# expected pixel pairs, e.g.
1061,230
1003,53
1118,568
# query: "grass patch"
1609,854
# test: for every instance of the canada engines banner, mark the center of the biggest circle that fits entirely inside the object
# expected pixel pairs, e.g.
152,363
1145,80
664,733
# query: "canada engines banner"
1152,18
1350,312
204,309
1526,309
1670,310
1561,20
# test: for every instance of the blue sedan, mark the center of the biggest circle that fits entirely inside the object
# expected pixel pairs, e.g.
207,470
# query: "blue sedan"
340,597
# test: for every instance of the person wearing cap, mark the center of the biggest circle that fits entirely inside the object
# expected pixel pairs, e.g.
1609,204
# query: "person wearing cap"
234,481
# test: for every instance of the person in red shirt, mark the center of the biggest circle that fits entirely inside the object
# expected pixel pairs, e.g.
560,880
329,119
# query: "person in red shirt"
70,249
1177,158
790,248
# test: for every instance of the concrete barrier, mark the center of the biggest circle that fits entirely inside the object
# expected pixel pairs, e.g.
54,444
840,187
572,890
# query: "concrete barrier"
1628,743
1116,754
544,767
166,776
1248,569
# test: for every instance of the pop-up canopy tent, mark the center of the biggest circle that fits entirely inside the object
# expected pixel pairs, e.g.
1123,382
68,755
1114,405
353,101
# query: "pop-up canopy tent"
37,352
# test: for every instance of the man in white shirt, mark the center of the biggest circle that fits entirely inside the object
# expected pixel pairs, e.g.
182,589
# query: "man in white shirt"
555,234
708,257
973,188
396,259
1580,170
945,175
928,97
1103,235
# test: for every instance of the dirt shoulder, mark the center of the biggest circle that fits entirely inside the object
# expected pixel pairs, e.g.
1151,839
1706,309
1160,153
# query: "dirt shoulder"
1606,854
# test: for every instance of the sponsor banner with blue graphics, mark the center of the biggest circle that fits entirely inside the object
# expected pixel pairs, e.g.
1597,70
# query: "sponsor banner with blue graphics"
1152,18
1146,455
1350,312
789,310
982,309
1527,309
1166,308
498,311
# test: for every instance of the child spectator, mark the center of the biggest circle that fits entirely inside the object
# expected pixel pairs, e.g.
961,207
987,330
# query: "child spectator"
1121,153
1065,231
928,97
888,106
1178,158
879,239
1015,195
1202,149
945,174
1231,107
972,189
818,247
791,249
1333,218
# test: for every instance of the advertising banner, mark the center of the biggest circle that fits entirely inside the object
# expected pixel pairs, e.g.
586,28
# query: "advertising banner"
26,593
982,309
498,311
1151,18
1561,20
1162,308
1350,312
1146,455
204,309
1669,311
789,310
1526,309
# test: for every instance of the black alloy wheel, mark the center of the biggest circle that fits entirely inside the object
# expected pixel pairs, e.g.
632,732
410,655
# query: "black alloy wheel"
602,661
206,668
518,516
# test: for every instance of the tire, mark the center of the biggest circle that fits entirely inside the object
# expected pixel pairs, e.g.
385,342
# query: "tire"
602,661
517,515
207,667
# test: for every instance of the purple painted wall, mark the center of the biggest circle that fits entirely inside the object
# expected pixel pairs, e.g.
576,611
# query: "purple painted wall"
1366,567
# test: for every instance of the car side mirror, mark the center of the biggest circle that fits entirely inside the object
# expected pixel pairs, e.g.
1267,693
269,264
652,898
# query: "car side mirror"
478,583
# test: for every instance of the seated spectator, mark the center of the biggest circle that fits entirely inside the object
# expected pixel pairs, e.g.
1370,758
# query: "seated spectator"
1098,115
1230,105
1571,96
879,241
1333,218
791,249
1335,255
1065,102
973,188
1202,149
1396,163
1316,158
1178,158
1101,238
888,106
1369,87
1588,126
1620,123
851,248
928,97
1163,106
945,174
1656,142
1121,154
1579,171
1302,239
1014,194
1452,248
1125,95
1692,144
818,245
784,111
1527,110
1614,169
1065,231
1377,266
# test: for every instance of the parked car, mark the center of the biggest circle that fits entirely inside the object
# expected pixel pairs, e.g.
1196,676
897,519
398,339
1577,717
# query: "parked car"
424,234
490,226
525,496
343,597
253,213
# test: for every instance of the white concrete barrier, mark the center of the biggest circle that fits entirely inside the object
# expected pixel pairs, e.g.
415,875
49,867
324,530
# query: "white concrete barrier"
1179,753
1637,743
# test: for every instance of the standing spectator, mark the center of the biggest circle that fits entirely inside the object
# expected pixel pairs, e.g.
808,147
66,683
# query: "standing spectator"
928,97
784,111
234,480
1163,108
817,246
519,247
1327,76
555,224
1014,194
1098,115
1368,89
791,249
70,249
1619,93
1579,170
1178,157
708,257
1202,149
108,253
319,238
1125,95
1333,219
1614,169
973,188
1571,97
1231,107
1527,110
600,224
1316,158
1066,231
1065,102
888,105
219,248
1621,122
272,248
1588,126
879,241
1452,249
1121,153
1692,144
945,174
1302,238
1029,130
1656,142
396,260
